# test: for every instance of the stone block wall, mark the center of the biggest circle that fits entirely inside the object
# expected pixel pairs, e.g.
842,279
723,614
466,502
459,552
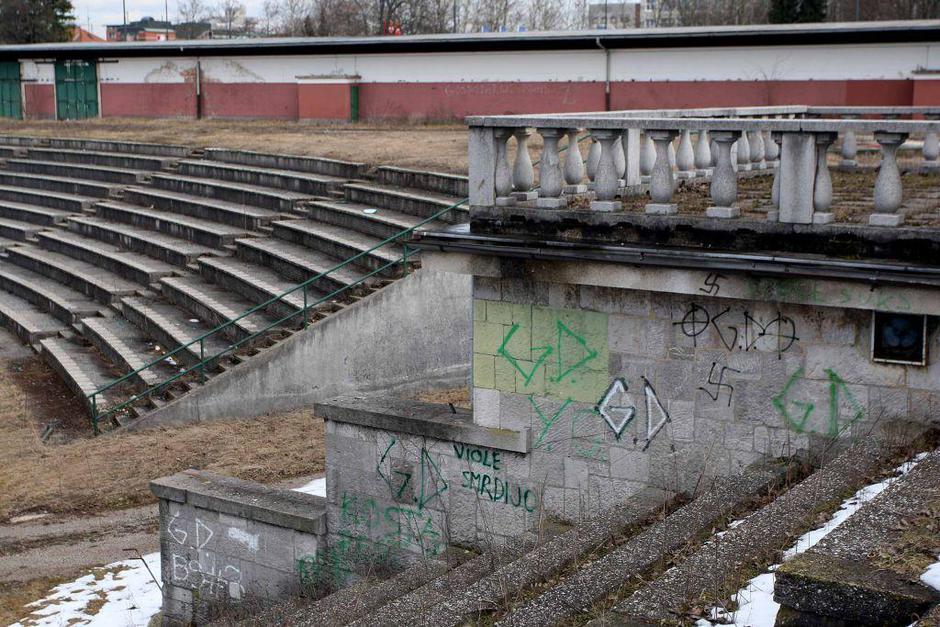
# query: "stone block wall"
225,541
626,388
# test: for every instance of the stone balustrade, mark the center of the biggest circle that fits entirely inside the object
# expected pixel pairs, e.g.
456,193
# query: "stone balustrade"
629,153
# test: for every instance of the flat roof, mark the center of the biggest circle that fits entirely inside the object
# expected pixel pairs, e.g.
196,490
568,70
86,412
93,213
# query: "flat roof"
712,36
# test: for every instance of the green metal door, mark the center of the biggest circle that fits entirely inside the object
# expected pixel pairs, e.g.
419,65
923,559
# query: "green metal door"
76,90
10,102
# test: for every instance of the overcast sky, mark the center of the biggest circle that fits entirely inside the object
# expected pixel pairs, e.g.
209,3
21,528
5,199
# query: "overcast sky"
103,12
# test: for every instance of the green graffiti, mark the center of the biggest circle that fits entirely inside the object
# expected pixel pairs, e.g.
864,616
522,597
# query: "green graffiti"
595,450
797,419
585,353
405,476
431,477
546,421
544,351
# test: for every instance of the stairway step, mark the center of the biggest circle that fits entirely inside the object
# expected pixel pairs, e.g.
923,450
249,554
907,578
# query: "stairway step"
131,266
7,243
382,223
454,185
196,230
244,217
416,202
60,169
297,163
39,206
172,250
297,263
19,140
114,159
230,192
82,368
26,322
45,294
256,283
300,182
132,148
102,285
341,243
214,305
58,184
122,343
171,327
18,230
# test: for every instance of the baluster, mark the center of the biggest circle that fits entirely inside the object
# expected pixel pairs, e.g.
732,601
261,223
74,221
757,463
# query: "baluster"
849,146
771,149
551,180
888,192
775,139
523,175
756,144
703,154
822,186
620,159
672,155
744,153
574,165
685,156
606,180
594,157
503,170
931,146
662,180
724,183
647,157
713,148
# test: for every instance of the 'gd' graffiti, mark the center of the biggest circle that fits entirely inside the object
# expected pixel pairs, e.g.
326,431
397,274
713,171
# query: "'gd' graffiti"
797,413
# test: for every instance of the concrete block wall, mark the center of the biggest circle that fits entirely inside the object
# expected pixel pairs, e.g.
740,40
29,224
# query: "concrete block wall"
225,541
624,388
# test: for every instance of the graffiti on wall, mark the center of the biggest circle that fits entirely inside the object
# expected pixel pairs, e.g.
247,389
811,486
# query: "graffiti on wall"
798,411
211,574
484,481
739,331
399,476
618,408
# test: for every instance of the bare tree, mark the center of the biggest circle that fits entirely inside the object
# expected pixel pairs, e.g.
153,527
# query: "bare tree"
226,12
547,15
190,10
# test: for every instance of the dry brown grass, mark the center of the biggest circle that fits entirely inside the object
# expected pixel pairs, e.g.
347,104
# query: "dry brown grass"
88,474
13,596
460,397
425,146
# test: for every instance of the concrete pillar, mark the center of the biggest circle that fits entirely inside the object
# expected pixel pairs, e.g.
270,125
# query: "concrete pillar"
724,184
931,146
797,173
662,181
574,165
703,154
503,170
849,146
630,139
713,148
822,186
775,140
482,157
594,157
888,192
550,175
606,180
744,153
620,159
523,174
685,156
755,142
647,157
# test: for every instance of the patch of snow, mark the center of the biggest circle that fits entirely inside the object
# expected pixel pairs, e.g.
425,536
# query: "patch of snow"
931,576
755,601
129,594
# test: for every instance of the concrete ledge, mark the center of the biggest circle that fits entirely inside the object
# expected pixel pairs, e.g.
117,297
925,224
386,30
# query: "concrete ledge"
424,419
245,499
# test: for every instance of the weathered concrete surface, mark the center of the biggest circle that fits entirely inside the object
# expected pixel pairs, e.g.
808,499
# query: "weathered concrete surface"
411,335
841,577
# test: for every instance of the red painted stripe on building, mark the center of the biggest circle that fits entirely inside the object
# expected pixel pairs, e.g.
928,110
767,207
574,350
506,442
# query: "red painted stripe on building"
165,100
250,100
39,102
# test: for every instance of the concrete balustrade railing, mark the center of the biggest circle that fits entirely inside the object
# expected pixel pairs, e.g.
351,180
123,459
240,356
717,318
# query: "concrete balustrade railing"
629,150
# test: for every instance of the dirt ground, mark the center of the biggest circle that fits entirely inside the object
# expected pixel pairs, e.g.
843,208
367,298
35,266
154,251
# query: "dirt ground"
427,146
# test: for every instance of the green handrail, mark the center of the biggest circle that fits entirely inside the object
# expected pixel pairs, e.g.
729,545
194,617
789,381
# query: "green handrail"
204,361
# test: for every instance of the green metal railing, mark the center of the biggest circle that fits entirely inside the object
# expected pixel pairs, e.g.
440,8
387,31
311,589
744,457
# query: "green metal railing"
205,361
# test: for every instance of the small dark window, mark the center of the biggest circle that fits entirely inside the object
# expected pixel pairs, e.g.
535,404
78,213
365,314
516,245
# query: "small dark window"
899,338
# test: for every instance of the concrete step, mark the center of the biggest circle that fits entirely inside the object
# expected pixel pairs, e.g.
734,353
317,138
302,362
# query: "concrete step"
125,346
108,159
45,294
241,216
297,263
132,148
172,250
18,230
108,174
862,572
341,243
264,197
12,152
59,184
26,322
82,368
131,266
41,200
7,243
214,304
440,182
382,223
256,283
195,230
416,202
300,182
102,285
313,165
19,140
171,327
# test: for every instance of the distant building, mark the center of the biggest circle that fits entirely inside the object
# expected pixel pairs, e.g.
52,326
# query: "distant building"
145,29
194,30
79,34
636,14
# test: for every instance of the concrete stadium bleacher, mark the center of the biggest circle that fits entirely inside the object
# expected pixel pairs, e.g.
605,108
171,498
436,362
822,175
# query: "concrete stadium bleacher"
113,254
